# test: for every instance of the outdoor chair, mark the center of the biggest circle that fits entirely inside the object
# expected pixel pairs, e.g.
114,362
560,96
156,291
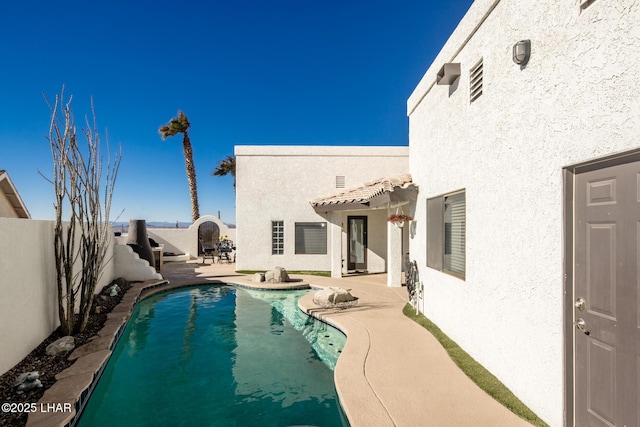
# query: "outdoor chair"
208,252
225,251
224,254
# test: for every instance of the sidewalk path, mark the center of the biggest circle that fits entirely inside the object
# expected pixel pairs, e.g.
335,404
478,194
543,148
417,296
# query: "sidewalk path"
392,372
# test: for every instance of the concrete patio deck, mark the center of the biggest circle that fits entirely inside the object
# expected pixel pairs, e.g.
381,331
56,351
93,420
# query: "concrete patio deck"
392,372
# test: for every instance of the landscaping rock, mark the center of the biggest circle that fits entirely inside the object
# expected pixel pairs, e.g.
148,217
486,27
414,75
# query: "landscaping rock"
63,345
106,291
48,367
277,275
334,297
27,381
258,278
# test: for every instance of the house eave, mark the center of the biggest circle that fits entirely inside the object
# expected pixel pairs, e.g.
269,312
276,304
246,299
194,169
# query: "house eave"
382,193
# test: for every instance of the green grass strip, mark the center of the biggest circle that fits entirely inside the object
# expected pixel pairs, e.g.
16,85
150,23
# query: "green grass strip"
475,371
308,273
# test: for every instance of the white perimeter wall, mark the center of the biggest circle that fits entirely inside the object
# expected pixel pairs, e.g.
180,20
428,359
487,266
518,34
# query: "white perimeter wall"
28,290
276,183
185,240
577,99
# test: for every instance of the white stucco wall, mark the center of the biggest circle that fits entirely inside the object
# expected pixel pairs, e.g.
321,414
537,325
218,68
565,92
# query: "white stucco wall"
185,240
28,302
277,182
130,266
577,99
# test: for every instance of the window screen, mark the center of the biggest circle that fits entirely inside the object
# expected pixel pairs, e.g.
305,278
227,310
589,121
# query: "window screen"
446,233
311,238
454,234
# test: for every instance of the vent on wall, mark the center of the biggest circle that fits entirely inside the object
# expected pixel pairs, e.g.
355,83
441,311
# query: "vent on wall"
340,181
475,82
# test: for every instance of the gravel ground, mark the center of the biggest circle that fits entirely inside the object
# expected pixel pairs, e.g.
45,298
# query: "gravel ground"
49,366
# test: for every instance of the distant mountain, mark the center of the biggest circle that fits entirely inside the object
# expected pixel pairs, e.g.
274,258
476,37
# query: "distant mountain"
123,227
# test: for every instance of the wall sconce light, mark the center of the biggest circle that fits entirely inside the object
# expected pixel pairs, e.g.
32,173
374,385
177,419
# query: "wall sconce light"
448,74
521,52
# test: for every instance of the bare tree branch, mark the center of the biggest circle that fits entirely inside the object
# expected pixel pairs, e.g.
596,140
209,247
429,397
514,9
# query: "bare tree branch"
80,243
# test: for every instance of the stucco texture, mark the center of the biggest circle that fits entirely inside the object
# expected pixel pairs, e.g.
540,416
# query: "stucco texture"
185,240
577,99
276,183
28,302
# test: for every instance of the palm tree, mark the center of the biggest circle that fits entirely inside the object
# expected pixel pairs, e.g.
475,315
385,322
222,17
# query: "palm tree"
176,125
227,166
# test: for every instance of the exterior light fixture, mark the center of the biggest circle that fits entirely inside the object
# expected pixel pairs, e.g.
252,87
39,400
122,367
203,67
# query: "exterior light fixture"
521,52
448,74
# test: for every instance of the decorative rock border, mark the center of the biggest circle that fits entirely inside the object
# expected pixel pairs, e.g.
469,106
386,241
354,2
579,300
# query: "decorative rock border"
75,384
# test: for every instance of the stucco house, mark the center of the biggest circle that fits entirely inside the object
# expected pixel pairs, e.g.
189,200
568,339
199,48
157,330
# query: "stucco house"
11,204
524,144
322,208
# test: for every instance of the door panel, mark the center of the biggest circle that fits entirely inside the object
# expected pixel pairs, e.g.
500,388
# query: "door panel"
601,265
607,343
357,242
602,387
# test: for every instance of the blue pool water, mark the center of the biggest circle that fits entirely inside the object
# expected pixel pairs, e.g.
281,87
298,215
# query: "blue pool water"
220,356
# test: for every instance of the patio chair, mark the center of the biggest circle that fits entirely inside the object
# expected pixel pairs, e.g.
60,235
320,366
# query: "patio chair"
208,252
224,255
226,251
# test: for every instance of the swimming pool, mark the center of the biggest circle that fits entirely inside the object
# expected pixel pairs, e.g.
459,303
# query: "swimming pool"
220,356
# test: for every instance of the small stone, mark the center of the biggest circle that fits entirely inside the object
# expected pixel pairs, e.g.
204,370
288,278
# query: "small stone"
62,345
27,381
99,309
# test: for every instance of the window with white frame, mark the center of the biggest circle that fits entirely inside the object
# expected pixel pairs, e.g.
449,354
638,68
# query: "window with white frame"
311,238
277,237
446,233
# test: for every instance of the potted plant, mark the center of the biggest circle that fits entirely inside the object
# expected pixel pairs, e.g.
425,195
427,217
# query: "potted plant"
399,219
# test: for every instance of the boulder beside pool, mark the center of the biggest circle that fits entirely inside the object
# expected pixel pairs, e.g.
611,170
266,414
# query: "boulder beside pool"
333,297
277,275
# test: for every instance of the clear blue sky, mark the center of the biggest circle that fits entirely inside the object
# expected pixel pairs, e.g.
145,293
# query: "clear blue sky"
245,72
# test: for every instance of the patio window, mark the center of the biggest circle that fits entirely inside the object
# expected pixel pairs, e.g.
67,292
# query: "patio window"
311,238
446,233
277,237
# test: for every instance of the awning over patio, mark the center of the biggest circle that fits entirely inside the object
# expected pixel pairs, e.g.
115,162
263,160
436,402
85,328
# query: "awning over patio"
388,191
